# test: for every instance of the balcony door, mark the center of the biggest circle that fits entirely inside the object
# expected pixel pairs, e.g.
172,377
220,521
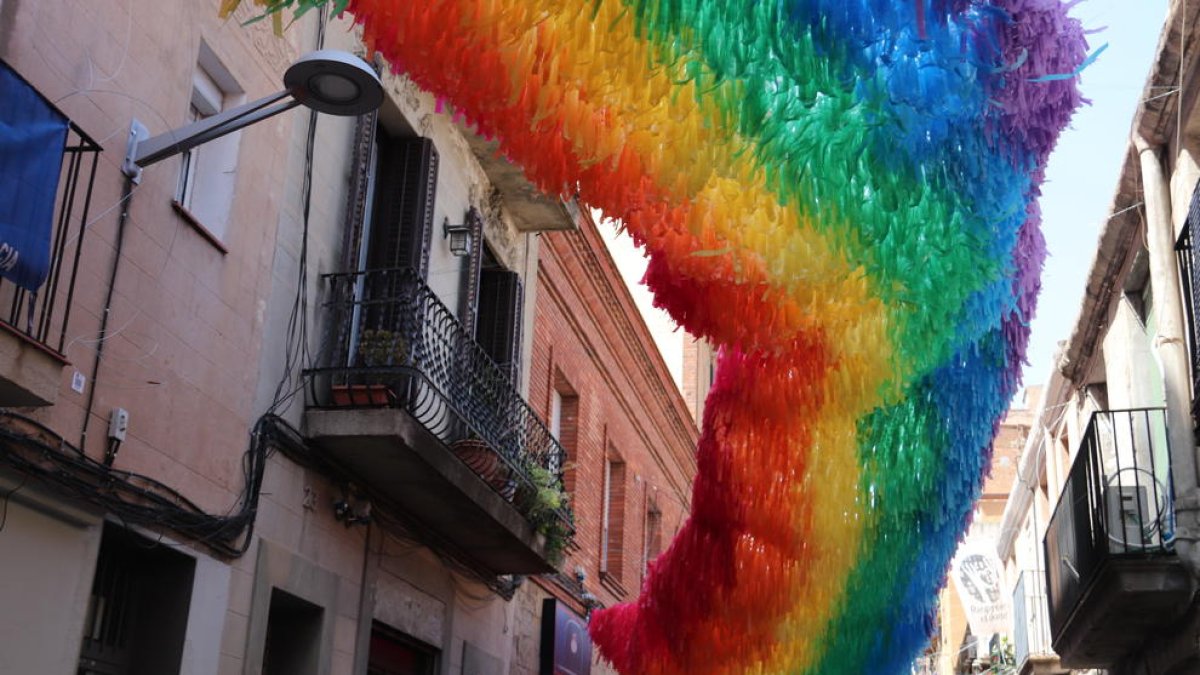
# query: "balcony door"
498,315
392,229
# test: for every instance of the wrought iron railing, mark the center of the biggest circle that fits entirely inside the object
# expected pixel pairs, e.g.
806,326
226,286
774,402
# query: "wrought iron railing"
1116,503
43,316
1189,278
395,344
1031,625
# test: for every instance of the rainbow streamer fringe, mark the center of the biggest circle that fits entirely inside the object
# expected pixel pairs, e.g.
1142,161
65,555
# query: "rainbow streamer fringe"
842,195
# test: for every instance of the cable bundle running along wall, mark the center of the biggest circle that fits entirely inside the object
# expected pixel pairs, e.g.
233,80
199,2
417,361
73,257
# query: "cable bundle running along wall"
35,451
842,195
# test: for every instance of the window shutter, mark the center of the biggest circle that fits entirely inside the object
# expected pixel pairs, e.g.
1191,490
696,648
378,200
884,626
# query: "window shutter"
514,347
406,188
499,323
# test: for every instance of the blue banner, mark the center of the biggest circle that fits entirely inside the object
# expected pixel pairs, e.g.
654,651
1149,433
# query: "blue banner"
32,136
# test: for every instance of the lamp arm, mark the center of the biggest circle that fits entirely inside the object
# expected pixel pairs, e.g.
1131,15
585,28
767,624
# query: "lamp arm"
142,151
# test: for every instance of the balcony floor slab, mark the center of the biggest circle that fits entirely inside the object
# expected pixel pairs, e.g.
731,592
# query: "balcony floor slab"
394,455
1128,601
29,371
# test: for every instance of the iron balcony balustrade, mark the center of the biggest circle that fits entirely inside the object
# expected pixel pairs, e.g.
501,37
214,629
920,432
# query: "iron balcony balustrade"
1031,628
397,346
1189,277
1111,572
39,319
42,316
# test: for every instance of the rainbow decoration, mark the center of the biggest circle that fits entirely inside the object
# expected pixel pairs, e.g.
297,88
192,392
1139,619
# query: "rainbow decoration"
842,195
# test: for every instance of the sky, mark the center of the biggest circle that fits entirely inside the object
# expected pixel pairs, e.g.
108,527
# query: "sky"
1080,181
631,262
1082,176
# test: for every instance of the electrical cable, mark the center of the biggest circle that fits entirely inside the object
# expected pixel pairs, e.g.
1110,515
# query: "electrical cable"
122,220
296,350
35,451
296,353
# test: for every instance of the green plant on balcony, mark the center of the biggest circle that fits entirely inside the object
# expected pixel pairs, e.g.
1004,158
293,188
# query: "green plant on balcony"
380,348
543,501
1004,661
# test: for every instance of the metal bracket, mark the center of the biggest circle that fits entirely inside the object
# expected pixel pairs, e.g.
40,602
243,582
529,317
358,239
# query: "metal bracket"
137,134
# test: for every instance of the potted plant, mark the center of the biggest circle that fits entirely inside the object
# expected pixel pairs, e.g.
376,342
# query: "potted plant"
485,463
544,502
377,348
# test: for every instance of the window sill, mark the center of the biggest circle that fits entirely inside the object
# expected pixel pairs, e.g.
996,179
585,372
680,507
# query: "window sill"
189,218
611,583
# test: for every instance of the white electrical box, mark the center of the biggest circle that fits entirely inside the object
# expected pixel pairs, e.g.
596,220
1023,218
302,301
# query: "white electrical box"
118,424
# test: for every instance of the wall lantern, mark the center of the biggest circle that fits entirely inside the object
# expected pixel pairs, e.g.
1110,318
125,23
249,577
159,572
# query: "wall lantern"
459,236
327,81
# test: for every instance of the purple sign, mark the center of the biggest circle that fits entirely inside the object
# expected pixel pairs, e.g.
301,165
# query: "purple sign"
566,645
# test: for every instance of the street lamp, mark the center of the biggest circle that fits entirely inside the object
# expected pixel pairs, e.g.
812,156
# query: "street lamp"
327,81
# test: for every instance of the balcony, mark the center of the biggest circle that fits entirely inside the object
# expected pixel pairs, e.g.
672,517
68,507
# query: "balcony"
34,316
414,408
1189,277
1111,571
1031,627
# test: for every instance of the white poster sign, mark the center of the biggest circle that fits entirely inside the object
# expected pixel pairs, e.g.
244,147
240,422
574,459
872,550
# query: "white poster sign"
977,575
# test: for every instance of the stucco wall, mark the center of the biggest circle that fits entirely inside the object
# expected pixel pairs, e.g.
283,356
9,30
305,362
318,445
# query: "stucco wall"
46,557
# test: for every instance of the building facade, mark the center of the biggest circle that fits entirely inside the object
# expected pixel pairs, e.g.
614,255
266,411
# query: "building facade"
593,370
955,650
299,399
1100,532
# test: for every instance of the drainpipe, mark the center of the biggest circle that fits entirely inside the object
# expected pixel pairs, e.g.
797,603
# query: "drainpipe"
1171,348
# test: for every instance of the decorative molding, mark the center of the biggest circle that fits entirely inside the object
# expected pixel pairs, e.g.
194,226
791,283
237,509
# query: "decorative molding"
425,124
619,312
681,463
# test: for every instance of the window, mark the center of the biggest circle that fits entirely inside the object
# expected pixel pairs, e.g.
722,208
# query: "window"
556,405
391,217
556,402
138,611
564,425
653,544
400,221
208,173
498,324
490,301
612,554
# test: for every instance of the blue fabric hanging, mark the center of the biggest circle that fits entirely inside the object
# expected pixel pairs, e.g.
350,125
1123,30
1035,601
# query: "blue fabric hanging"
32,136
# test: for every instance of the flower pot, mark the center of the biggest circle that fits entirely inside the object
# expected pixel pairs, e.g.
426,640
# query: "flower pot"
485,463
361,395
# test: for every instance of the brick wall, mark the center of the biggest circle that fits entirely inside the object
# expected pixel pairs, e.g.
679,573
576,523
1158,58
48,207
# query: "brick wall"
591,344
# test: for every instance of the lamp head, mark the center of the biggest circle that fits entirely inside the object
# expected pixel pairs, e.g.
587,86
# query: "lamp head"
334,82
327,81
459,236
